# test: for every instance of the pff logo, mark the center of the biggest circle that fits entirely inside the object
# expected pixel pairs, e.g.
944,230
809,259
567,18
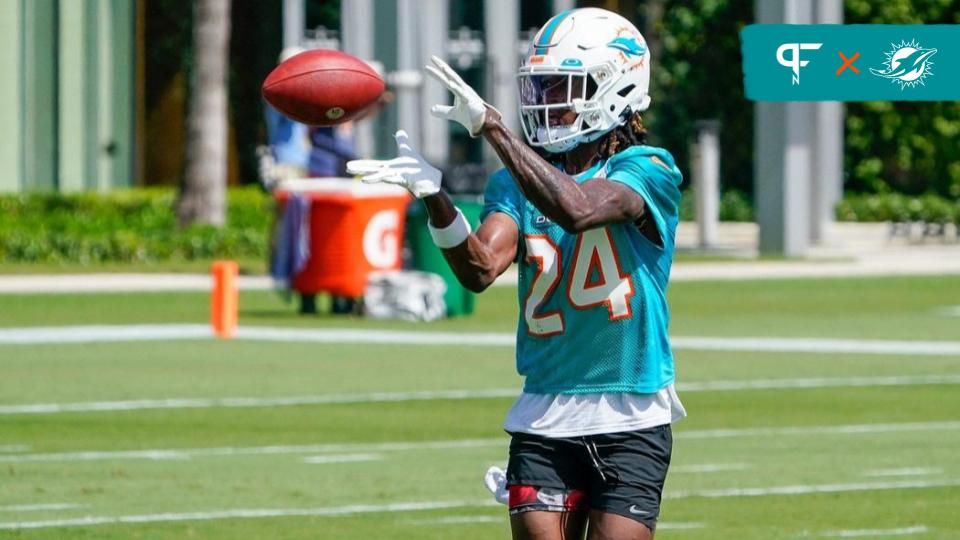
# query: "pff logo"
794,62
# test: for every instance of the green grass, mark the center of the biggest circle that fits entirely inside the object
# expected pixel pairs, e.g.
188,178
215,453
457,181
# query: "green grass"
879,308
221,468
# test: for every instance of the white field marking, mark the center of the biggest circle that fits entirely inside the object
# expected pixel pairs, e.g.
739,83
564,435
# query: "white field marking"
818,382
440,505
818,345
860,533
847,429
342,458
811,489
430,395
13,448
344,448
39,507
457,520
38,335
115,283
243,402
709,468
113,333
188,453
949,311
680,525
907,471
243,513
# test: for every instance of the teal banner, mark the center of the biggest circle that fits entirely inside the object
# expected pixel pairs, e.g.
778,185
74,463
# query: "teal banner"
859,62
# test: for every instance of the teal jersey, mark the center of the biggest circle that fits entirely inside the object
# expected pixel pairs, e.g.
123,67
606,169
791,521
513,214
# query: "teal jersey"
593,306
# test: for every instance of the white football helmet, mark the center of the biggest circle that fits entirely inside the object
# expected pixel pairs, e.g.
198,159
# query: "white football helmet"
587,70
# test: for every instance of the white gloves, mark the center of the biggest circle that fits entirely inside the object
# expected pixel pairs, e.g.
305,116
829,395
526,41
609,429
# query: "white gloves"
468,108
496,482
409,169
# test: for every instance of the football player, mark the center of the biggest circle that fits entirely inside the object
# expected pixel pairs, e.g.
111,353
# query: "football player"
589,212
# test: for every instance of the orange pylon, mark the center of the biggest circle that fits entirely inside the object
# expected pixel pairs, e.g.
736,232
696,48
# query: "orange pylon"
224,299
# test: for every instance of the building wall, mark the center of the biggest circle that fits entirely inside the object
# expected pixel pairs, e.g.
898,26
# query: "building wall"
11,139
68,108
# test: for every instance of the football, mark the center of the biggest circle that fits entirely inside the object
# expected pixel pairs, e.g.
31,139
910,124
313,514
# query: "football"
322,87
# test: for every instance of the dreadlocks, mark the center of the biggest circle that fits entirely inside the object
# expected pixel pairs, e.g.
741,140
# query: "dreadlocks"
631,133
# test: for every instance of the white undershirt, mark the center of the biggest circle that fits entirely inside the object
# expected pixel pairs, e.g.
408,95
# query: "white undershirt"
575,415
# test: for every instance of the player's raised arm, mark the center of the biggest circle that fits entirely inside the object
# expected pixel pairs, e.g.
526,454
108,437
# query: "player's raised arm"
476,258
575,207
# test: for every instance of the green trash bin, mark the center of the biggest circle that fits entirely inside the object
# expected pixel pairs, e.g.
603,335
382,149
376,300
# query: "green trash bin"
427,257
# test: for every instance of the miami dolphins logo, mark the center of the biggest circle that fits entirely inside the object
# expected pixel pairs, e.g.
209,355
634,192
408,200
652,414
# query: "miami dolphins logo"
629,45
908,64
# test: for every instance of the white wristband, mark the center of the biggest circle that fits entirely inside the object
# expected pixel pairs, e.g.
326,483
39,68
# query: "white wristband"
453,234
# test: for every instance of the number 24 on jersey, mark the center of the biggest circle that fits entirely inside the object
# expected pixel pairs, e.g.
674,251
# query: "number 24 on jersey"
596,280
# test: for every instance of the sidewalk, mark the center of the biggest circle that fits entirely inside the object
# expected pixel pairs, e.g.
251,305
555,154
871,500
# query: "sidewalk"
854,249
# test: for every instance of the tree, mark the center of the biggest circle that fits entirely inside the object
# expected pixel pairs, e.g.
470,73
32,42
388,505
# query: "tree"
203,191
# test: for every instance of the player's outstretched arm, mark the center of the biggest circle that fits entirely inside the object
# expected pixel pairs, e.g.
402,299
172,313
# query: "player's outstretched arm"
482,256
575,207
476,259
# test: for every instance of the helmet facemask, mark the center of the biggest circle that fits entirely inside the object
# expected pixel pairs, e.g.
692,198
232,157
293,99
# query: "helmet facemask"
550,108
559,108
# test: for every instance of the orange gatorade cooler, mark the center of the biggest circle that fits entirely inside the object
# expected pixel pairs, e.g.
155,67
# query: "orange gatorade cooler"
355,229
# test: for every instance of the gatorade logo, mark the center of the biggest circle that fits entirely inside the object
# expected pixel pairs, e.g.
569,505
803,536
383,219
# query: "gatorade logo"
381,245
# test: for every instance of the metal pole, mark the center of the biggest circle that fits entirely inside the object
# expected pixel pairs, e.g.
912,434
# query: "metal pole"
782,154
501,29
827,181
408,65
356,35
706,182
435,26
294,22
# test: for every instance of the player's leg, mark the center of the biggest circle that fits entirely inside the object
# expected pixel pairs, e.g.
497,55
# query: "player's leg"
626,488
548,525
607,526
545,481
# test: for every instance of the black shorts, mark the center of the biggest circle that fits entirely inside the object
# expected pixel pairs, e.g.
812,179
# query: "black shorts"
621,473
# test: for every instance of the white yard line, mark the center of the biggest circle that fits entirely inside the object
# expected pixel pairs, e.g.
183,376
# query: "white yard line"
442,505
39,335
949,311
431,395
453,444
119,282
342,458
906,471
166,332
457,520
709,468
14,448
188,453
242,513
862,533
811,489
39,507
848,429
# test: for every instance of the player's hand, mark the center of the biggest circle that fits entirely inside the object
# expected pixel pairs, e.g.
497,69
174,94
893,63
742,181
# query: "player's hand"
408,169
468,107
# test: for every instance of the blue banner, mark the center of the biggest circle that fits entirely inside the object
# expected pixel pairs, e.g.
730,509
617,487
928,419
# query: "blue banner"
861,62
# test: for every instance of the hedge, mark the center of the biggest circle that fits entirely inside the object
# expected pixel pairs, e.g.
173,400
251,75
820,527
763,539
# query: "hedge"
140,226
899,208
136,225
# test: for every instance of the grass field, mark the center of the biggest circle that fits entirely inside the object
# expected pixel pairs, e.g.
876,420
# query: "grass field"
196,438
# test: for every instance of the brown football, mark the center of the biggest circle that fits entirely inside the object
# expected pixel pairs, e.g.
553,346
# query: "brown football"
322,87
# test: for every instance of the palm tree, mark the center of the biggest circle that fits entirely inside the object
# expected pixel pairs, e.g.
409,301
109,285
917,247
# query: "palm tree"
203,191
